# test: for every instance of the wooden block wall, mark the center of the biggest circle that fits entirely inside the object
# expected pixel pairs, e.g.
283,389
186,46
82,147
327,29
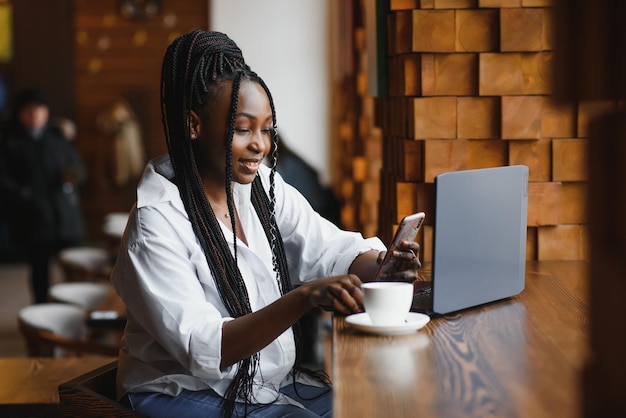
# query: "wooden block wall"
470,86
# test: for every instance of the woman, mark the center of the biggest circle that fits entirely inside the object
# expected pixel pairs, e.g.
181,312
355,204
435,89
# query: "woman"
212,246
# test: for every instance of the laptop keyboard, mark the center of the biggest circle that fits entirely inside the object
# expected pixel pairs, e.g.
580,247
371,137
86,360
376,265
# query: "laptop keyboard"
422,296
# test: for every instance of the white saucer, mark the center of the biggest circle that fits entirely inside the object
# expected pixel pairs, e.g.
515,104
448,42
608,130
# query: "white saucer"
362,322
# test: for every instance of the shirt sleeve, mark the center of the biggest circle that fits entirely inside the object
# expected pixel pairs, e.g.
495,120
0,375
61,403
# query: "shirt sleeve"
315,247
158,277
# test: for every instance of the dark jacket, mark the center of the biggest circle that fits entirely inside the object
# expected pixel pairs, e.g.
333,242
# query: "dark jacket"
41,201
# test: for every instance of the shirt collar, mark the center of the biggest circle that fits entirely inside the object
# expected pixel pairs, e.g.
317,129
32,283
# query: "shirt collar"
157,186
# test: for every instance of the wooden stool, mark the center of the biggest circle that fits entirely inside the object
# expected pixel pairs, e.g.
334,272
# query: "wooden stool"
58,329
87,295
81,264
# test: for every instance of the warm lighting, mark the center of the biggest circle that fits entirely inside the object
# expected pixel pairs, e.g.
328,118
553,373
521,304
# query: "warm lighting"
136,9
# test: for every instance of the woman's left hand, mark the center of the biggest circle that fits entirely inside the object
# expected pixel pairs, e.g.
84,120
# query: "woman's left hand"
404,263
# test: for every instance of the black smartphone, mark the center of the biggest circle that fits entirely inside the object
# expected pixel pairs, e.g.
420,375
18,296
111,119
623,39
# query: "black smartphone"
407,230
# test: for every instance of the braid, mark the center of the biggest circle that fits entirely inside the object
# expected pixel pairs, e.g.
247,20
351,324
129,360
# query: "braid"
195,66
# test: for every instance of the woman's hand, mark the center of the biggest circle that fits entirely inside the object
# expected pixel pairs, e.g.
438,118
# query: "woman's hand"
339,293
404,263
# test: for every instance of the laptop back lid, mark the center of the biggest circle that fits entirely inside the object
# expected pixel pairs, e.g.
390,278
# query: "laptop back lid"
479,253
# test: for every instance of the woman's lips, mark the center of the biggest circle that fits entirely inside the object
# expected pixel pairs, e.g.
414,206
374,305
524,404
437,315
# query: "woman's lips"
252,166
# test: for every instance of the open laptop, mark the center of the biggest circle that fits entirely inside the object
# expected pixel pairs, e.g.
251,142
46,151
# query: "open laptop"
479,239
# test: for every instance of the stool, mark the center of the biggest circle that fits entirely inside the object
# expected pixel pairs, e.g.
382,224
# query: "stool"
57,330
115,223
85,263
87,295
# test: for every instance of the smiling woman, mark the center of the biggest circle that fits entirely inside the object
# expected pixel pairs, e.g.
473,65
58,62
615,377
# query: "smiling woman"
211,304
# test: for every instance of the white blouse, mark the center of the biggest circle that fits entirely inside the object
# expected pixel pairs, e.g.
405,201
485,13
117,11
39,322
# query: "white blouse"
173,335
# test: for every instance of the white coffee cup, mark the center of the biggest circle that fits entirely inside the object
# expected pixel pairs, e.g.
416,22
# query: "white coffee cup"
387,303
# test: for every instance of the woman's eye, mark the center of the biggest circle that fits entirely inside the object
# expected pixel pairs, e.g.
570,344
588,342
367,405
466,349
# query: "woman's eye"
241,130
267,131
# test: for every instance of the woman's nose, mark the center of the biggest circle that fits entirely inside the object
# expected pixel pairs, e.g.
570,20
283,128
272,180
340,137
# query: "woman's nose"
259,141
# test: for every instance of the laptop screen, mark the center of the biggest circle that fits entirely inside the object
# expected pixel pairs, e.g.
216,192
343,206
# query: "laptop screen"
479,245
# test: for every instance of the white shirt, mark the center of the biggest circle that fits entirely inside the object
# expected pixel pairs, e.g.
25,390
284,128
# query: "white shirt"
173,335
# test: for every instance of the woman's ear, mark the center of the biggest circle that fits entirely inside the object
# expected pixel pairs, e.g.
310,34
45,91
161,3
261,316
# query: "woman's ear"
194,125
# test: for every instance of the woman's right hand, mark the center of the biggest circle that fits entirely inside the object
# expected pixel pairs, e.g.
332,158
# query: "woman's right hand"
339,293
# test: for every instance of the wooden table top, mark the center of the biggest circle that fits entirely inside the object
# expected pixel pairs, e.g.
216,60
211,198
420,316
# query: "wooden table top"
521,357
35,380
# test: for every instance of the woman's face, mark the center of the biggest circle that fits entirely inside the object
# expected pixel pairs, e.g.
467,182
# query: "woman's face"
252,138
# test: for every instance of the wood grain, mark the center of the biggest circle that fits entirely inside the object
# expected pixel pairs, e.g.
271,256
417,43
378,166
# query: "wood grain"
521,29
433,31
515,358
35,380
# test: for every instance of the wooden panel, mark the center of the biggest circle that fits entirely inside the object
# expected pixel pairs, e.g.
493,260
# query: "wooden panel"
403,4
544,204
476,30
569,159
426,251
449,74
407,81
534,154
426,201
514,73
574,207
562,242
41,38
548,29
478,117
589,110
433,31
531,243
521,117
117,57
434,117
521,29
558,119
486,153
412,158
537,3
455,4
407,199
441,156
506,117
401,32
499,3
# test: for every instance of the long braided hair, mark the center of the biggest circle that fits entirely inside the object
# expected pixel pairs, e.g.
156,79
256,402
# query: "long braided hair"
195,67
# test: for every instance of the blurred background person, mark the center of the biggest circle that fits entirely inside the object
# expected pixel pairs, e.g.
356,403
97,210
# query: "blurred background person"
120,124
40,175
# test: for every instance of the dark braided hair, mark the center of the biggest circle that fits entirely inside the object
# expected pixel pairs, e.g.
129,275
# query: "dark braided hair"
195,67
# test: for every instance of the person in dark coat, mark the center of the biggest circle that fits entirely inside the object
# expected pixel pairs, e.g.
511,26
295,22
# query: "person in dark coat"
40,173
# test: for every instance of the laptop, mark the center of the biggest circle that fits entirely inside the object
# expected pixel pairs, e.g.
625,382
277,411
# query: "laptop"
479,239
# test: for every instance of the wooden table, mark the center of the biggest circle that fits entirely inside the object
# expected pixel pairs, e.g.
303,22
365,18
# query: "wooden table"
521,357
29,385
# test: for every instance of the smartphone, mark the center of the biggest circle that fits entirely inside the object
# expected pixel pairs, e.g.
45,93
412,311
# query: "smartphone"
407,230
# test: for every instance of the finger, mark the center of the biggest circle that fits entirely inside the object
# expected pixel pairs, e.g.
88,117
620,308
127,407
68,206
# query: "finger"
344,297
381,256
404,256
357,295
405,276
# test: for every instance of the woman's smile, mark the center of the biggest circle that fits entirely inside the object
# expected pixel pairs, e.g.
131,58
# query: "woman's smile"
250,165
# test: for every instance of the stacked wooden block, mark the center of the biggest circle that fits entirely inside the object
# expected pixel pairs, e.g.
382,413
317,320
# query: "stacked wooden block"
357,151
470,86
